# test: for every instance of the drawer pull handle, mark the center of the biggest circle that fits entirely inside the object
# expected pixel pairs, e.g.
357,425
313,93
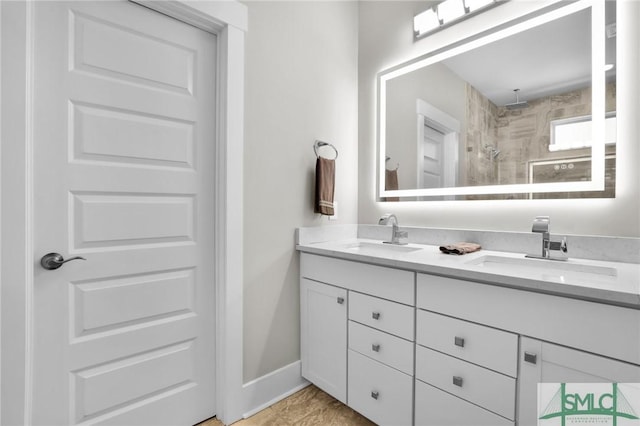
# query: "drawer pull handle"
457,380
458,341
375,394
340,300
375,347
375,315
530,357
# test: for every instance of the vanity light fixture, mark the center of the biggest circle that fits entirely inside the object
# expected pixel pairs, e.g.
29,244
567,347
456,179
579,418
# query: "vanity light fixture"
450,10
425,22
475,5
447,13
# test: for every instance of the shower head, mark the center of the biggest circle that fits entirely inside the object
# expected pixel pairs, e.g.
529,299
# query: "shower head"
492,152
518,104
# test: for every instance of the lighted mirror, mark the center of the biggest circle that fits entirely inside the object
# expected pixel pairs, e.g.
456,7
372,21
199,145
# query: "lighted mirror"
524,112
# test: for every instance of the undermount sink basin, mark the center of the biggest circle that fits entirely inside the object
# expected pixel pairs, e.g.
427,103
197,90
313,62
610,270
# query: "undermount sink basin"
559,269
380,248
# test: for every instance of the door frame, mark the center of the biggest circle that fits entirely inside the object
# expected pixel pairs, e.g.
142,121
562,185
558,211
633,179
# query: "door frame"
228,21
450,128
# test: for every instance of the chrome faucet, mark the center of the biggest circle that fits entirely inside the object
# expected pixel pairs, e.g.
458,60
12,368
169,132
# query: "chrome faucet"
396,234
549,245
541,225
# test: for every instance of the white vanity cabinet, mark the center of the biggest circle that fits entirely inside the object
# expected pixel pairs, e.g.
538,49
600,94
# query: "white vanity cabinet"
470,366
543,362
404,347
572,341
377,357
380,373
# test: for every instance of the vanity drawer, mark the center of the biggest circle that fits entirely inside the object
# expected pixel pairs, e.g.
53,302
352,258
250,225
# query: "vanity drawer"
485,346
435,407
578,324
382,314
493,391
379,392
379,281
383,347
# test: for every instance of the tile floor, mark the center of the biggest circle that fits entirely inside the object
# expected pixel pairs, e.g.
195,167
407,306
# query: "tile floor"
308,407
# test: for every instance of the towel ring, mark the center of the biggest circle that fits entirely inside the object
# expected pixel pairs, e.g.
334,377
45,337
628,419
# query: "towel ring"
391,170
320,144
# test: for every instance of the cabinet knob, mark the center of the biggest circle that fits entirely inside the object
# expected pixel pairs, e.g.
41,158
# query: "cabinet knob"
375,347
340,300
375,394
530,357
458,341
457,380
375,315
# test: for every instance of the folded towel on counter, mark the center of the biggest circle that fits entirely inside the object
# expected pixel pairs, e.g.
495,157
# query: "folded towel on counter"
325,185
391,183
460,248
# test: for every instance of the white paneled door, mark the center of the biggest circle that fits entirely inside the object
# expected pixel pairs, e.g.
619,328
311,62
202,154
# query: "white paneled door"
123,137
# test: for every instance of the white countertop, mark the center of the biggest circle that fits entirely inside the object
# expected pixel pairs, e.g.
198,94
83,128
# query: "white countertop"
620,287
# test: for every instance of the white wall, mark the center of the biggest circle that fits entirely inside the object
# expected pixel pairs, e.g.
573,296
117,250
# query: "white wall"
402,129
301,85
386,40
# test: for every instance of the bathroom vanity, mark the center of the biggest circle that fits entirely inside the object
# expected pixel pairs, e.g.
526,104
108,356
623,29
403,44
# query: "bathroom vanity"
406,335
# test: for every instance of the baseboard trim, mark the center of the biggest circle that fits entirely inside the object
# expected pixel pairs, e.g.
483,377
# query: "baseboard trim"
271,388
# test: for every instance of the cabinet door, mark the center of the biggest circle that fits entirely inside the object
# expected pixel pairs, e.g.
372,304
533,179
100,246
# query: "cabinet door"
542,362
323,337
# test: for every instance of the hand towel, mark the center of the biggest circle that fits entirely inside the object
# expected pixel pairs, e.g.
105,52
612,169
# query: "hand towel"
325,185
391,183
460,248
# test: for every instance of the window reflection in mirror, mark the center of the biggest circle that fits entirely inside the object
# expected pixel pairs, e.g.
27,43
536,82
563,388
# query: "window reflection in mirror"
489,116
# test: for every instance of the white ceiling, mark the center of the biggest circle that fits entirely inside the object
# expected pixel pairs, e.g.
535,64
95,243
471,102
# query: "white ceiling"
549,59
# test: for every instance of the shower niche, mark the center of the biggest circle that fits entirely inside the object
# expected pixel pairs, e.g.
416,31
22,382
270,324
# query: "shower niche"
483,119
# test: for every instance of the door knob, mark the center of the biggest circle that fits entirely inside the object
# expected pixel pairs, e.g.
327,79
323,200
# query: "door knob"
55,260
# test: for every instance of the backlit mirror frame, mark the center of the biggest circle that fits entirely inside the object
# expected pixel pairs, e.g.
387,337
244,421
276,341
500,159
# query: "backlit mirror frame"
598,107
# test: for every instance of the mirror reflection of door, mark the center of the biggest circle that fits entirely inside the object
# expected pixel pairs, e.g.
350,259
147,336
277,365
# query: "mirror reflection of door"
437,142
432,159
